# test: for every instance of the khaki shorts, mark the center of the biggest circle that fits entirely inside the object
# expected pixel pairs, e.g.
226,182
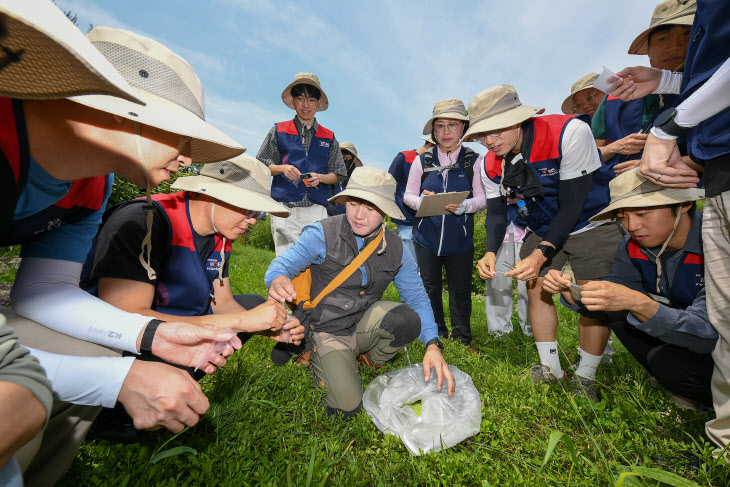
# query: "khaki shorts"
591,253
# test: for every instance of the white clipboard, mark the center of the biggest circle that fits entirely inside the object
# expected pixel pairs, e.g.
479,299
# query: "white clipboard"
435,204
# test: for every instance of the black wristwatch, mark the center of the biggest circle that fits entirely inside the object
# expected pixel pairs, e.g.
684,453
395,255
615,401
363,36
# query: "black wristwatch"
435,341
547,250
665,121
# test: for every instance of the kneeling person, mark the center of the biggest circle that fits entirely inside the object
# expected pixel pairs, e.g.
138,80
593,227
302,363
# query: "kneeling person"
189,253
657,277
352,323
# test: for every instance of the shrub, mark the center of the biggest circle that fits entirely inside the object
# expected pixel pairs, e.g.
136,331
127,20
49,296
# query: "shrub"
259,235
123,190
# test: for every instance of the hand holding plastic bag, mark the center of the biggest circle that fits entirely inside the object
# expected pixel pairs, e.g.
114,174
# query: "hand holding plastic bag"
393,401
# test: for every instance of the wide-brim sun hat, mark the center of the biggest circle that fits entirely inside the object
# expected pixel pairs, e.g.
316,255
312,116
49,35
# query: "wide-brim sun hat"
668,12
350,147
372,185
584,83
630,190
244,182
47,56
307,79
451,108
497,108
429,138
167,84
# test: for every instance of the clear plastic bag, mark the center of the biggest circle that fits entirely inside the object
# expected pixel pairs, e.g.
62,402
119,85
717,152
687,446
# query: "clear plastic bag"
395,399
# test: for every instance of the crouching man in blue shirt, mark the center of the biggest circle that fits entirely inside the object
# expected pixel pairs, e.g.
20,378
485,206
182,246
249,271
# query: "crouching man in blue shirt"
351,323
658,277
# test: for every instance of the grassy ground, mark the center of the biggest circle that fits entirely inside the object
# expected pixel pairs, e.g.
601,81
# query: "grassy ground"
265,425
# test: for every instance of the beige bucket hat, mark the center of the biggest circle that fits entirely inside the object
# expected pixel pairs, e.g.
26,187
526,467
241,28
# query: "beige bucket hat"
429,138
496,108
373,185
583,83
244,182
307,79
46,56
630,190
669,12
450,108
350,147
169,87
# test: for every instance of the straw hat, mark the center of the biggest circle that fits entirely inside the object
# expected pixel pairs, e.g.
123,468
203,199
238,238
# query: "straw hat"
629,190
450,108
307,79
496,108
350,147
583,83
669,12
169,87
375,186
429,138
53,59
243,182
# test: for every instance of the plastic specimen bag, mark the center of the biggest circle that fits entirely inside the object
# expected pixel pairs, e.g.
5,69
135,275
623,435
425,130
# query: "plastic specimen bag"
427,420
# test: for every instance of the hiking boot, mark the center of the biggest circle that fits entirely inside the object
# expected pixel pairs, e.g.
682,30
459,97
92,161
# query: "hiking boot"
365,360
303,359
543,373
585,387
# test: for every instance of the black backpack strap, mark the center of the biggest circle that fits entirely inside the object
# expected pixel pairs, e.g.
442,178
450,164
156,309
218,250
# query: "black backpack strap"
469,164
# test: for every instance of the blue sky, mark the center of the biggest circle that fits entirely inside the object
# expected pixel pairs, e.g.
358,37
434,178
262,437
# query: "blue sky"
382,64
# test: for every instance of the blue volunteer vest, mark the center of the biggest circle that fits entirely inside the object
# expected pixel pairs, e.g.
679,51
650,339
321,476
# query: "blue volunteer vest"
545,157
85,196
407,157
708,49
688,279
623,119
446,234
184,286
292,152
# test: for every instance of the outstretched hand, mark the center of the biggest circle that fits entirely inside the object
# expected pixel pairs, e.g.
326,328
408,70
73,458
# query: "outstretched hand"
184,343
433,358
637,82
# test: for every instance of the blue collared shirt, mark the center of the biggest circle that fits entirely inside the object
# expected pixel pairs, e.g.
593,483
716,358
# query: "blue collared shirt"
310,249
688,328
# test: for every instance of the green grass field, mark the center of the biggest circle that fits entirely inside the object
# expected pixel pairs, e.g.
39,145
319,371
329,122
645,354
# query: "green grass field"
266,427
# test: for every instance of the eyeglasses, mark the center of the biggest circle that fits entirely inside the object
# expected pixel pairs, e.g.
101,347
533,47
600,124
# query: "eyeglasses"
578,104
258,215
451,127
306,100
482,138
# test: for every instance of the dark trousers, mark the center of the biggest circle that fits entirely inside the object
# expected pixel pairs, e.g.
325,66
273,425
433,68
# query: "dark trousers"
459,269
679,370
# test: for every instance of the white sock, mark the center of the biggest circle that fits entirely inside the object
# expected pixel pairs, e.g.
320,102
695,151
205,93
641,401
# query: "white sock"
548,352
588,364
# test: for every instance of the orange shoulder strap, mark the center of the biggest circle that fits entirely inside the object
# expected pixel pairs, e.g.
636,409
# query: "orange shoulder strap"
347,271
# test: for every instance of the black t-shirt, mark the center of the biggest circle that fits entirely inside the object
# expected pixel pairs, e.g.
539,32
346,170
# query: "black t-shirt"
119,243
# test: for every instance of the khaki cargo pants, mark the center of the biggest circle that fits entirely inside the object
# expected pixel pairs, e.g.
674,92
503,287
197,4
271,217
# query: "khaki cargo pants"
334,358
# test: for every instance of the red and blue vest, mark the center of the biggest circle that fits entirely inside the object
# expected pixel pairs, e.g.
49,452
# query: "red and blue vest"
405,159
446,234
316,160
687,282
708,49
622,119
545,157
85,196
184,285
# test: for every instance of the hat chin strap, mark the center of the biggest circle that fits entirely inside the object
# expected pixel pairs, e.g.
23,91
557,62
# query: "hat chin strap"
147,242
664,246
501,179
223,247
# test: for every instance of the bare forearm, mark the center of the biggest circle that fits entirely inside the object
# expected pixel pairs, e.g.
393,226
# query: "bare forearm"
277,169
22,416
329,178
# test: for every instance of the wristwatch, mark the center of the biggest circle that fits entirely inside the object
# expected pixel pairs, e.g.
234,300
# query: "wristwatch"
435,341
665,122
547,250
